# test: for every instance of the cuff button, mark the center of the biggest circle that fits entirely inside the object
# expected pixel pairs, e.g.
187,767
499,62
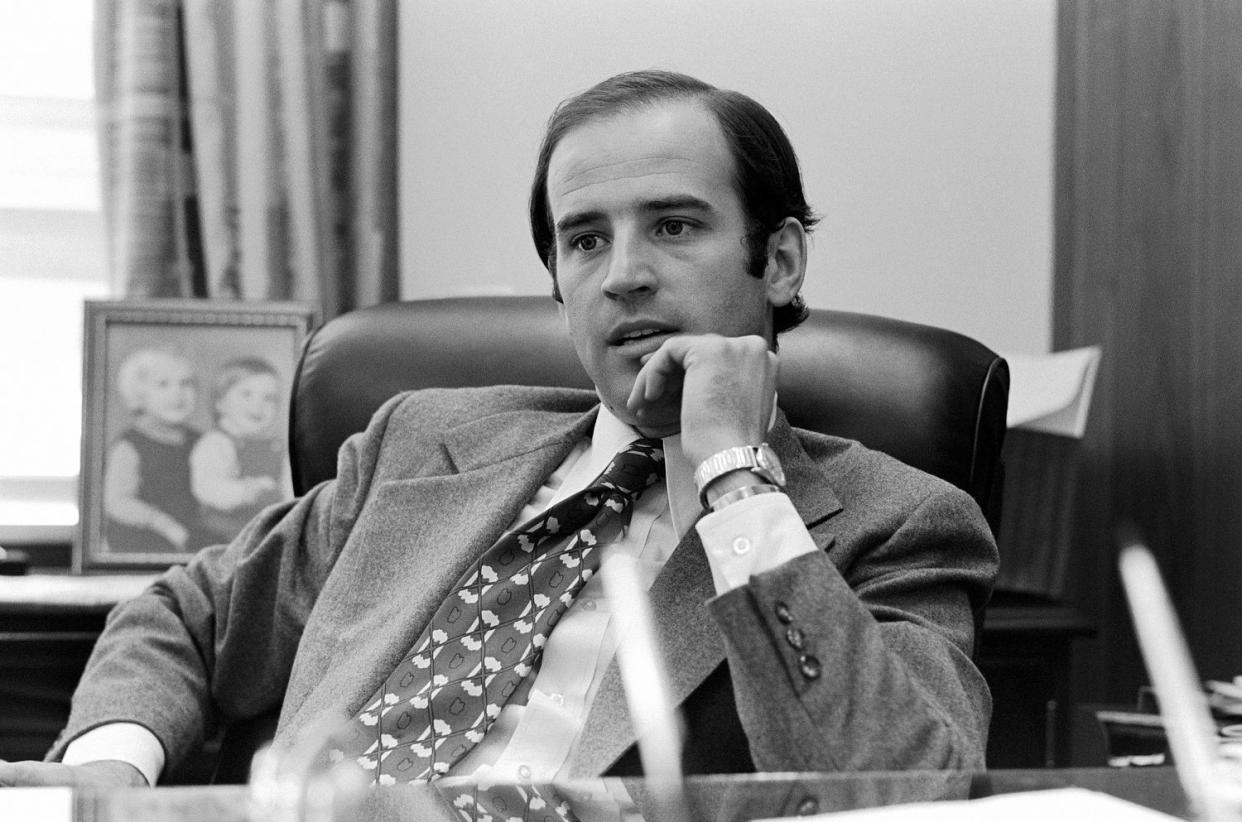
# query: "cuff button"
783,613
810,667
795,638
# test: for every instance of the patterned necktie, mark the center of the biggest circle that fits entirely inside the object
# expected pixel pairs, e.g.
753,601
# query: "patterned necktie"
488,634
500,802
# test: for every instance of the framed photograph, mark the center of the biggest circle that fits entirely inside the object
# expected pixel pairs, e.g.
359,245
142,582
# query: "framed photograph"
184,425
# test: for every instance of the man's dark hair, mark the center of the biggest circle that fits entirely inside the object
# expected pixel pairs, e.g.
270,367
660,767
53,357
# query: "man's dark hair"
765,166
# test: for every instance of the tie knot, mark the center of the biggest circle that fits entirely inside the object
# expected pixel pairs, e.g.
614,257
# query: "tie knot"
635,468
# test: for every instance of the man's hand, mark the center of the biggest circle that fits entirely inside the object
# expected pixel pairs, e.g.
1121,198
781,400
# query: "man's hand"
108,773
716,390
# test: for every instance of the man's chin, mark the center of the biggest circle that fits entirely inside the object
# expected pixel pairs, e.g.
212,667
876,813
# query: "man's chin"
651,421
657,430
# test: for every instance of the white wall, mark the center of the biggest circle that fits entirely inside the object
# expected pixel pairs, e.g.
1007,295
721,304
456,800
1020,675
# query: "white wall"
925,131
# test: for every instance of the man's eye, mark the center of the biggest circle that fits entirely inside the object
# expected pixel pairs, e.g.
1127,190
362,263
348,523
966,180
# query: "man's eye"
674,228
587,242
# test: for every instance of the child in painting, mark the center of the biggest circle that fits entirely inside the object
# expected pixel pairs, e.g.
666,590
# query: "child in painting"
148,506
237,468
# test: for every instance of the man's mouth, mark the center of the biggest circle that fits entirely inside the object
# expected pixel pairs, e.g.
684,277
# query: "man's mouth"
639,339
640,335
633,330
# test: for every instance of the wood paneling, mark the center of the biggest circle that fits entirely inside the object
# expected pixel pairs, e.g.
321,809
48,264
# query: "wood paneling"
1149,265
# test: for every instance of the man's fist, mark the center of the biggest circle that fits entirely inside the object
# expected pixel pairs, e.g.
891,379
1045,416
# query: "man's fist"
717,391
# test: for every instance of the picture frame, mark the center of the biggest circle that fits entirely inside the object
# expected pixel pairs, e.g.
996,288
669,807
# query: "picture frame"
185,407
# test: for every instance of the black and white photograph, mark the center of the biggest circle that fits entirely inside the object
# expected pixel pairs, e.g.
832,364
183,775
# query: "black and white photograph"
620,410
184,425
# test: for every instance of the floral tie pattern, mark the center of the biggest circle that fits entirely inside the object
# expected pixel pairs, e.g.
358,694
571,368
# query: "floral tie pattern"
487,636
501,803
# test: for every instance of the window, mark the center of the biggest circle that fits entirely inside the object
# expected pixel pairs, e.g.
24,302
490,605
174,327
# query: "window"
52,257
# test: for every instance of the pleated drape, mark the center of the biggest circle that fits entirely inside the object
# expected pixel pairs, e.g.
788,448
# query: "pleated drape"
249,149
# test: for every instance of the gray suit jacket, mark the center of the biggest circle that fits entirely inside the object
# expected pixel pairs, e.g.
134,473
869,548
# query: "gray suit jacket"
317,601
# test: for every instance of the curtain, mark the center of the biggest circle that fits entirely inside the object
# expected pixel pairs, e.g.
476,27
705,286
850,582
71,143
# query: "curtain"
248,149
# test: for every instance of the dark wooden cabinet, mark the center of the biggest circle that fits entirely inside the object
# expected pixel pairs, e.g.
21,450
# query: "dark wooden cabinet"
1025,657
48,625
1024,653
42,653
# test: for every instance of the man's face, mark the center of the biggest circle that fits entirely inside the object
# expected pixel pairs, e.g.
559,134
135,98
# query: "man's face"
650,241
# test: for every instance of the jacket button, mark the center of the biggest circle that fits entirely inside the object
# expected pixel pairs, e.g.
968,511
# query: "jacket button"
794,637
810,667
808,806
783,613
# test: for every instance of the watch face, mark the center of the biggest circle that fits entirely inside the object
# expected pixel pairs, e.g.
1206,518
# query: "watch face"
769,462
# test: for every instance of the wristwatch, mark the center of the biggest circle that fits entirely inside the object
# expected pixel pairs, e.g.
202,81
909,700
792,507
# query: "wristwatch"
760,459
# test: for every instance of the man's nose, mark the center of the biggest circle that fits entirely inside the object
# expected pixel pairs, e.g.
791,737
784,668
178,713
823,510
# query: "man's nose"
630,269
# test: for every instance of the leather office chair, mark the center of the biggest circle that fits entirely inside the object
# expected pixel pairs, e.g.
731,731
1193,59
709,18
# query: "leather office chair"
932,398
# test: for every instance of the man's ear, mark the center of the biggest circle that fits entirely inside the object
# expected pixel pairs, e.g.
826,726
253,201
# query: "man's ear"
786,264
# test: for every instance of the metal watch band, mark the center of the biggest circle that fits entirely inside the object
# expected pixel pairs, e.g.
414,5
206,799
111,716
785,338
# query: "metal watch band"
759,459
742,493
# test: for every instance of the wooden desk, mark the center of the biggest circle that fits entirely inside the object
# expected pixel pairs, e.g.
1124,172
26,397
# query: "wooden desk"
717,798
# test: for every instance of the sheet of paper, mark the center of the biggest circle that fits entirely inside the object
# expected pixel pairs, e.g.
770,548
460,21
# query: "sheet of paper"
37,804
1052,392
1061,804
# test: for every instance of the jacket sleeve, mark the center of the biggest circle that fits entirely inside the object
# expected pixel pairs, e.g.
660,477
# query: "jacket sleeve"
216,639
867,667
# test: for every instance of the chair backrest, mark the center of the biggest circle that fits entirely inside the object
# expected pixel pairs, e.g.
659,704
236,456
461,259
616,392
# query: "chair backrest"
932,398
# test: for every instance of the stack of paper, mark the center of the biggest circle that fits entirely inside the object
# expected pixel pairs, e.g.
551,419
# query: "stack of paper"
1052,392
37,804
1225,697
1061,804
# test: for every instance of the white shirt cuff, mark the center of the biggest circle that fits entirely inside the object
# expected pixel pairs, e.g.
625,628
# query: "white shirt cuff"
751,536
126,741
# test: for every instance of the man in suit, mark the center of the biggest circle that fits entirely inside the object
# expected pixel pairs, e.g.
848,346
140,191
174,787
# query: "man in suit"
814,598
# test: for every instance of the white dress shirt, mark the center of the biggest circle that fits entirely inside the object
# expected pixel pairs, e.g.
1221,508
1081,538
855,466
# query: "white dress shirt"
537,731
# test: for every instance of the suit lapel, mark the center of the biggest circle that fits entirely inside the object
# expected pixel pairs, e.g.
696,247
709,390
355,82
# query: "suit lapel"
499,462
492,468
495,466
689,641
423,530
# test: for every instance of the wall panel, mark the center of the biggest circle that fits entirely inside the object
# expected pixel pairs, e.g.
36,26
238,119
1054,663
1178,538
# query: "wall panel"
1149,265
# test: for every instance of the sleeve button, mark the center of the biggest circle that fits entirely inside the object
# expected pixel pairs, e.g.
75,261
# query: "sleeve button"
810,667
795,638
783,613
